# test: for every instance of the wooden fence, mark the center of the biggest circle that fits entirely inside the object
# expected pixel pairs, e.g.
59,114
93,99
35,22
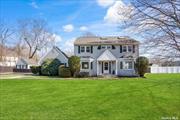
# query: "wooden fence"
174,69
6,69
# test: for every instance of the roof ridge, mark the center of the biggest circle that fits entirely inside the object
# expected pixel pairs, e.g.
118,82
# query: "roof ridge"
61,51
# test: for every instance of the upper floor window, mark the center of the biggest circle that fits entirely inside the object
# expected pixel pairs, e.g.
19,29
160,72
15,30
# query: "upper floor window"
129,48
124,48
106,47
82,48
103,47
88,49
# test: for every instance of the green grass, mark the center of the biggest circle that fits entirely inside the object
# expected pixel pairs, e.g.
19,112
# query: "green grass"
149,98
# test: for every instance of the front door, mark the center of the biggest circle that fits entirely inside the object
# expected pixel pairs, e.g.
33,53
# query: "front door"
106,67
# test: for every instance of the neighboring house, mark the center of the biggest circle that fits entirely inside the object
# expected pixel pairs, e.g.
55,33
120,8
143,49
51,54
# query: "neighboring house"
55,53
23,63
8,57
107,55
9,61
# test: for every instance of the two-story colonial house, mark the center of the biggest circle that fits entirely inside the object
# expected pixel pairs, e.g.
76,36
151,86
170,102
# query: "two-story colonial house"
107,55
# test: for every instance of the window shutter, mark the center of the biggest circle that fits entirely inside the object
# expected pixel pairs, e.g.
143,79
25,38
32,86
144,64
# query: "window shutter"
91,49
113,47
99,47
120,48
133,48
78,49
121,65
91,65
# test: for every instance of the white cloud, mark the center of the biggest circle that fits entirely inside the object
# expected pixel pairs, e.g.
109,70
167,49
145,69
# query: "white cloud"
68,28
34,5
83,28
118,12
105,3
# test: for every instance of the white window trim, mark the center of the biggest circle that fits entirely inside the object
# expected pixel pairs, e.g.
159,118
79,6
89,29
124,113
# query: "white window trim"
82,66
123,64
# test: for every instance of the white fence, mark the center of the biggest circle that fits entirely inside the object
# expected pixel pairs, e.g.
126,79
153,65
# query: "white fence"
165,69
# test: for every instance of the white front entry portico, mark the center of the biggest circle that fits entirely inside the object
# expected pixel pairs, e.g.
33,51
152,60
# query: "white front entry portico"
106,63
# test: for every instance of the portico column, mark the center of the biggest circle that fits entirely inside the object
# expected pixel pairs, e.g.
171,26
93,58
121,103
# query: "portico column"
116,67
97,67
89,67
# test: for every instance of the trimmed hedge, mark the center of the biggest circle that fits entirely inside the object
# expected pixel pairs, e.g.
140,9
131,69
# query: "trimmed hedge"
82,74
64,71
142,64
50,67
36,69
74,64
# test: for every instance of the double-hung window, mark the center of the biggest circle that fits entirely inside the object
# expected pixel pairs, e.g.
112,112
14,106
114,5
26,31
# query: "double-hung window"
88,48
124,48
128,65
129,48
82,48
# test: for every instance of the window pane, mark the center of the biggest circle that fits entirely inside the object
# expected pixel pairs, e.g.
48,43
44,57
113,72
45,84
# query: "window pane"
106,66
88,49
129,48
82,48
108,47
128,65
124,49
85,65
103,47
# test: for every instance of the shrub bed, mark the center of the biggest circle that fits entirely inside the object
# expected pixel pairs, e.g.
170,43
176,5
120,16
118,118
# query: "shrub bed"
64,71
50,67
36,69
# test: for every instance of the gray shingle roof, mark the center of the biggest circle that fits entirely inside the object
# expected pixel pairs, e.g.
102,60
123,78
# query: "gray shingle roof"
94,40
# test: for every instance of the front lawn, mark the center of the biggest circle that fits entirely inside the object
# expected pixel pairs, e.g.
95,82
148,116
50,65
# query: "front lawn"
151,98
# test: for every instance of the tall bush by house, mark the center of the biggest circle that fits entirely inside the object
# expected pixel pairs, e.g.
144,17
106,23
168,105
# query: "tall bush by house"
50,67
74,64
36,69
64,71
142,65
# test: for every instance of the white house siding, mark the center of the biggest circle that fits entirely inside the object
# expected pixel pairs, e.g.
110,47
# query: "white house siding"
9,61
175,69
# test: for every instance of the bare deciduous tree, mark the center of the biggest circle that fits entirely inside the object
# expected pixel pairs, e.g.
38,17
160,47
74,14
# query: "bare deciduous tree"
158,21
36,34
5,33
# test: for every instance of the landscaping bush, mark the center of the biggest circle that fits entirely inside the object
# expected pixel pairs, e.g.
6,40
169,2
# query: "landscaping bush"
64,71
142,65
50,67
36,69
82,74
74,64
